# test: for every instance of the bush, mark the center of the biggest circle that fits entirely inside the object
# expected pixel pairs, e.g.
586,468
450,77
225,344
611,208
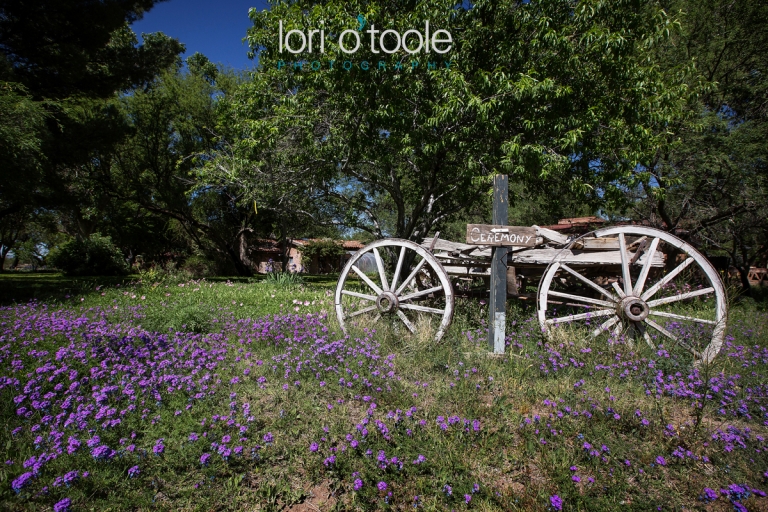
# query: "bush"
92,256
199,266
179,318
284,279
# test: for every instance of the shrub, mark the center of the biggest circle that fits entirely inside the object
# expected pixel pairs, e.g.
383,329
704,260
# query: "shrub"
96,255
199,266
284,279
179,318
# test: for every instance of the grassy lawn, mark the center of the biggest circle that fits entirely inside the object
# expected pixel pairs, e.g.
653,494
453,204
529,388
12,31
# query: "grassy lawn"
236,395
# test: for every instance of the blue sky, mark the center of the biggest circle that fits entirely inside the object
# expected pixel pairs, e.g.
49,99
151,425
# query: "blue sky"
215,29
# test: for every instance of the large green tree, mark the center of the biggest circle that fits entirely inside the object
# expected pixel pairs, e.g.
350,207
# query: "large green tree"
60,61
708,178
561,94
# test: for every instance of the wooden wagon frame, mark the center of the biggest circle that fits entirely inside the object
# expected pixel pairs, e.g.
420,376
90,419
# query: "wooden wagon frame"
624,282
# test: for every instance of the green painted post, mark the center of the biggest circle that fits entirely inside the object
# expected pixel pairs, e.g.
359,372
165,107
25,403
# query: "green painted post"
497,310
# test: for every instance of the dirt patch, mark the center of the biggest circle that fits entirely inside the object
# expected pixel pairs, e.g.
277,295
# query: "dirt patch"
320,498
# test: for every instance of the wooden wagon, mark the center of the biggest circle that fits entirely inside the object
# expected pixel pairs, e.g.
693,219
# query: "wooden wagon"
623,283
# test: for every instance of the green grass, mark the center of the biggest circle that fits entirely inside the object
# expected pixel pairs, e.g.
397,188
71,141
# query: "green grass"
520,457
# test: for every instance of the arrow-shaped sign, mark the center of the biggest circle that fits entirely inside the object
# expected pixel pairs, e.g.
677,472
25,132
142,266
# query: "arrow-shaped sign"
498,230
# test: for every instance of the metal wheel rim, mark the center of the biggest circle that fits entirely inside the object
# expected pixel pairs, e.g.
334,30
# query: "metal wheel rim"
404,245
708,353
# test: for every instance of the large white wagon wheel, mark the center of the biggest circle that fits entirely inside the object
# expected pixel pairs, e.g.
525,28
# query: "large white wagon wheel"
614,282
393,295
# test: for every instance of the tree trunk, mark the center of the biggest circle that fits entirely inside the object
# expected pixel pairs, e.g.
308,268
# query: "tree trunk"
746,288
283,245
242,269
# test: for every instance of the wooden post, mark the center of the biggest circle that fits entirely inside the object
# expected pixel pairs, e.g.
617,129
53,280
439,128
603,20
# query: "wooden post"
497,310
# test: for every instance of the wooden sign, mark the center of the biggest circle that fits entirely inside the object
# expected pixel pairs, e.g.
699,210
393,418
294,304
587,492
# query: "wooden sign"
501,236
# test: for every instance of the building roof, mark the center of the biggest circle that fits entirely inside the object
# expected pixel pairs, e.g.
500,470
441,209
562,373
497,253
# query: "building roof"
270,245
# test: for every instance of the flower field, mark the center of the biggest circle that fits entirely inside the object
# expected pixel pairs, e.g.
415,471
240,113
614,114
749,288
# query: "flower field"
235,396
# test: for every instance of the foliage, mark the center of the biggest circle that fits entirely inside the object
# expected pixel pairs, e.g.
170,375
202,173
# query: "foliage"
563,99
284,279
322,248
96,255
199,266
708,177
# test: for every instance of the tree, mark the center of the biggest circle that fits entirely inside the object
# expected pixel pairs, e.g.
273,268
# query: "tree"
708,177
58,57
172,133
561,96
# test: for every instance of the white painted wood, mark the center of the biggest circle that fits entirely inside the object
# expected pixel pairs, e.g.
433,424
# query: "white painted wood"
373,286
399,267
407,322
421,293
625,265
679,297
587,281
380,266
666,279
581,316
605,326
410,277
652,257
578,298
682,317
660,329
361,311
360,295
638,289
551,235
427,259
586,258
423,309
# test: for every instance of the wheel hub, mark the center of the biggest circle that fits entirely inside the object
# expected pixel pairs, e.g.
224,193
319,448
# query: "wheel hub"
634,309
387,302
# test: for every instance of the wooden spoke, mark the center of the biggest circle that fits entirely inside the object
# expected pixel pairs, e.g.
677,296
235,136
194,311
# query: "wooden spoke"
588,300
652,290
361,311
399,267
407,322
407,252
605,325
682,317
359,295
631,273
367,280
625,265
682,296
587,281
661,329
411,276
380,266
420,294
648,340
646,267
581,316
671,336
423,309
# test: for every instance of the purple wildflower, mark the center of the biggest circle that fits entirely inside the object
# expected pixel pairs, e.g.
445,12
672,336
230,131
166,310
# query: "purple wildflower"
62,506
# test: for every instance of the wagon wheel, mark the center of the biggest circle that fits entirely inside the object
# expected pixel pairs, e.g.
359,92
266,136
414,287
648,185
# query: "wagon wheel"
390,295
630,296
